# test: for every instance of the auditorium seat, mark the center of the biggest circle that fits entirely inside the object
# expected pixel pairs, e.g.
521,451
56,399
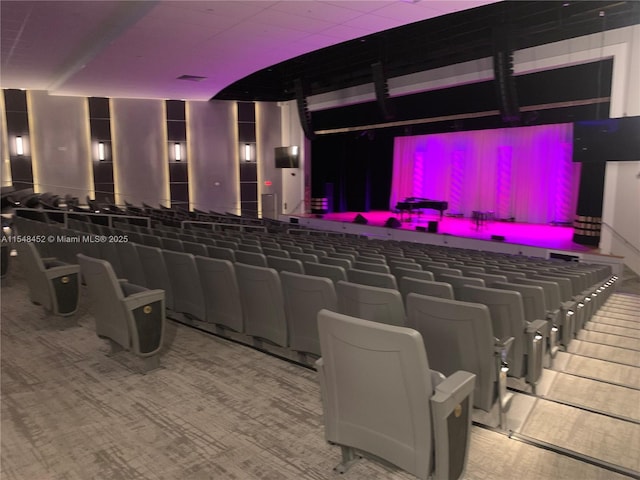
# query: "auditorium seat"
130,316
364,277
281,264
262,303
526,354
332,272
248,247
458,283
459,336
489,278
151,241
340,262
185,284
439,271
304,257
304,297
221,253
222,301
53,284
382,305
155,272
418,273
251,258
132,270
360,264
378,397
275,252
409,285
195,248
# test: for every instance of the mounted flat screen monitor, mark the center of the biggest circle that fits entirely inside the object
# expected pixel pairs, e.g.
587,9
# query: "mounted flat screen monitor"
287,157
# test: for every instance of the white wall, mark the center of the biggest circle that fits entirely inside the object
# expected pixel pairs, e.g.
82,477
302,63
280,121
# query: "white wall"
60,144
295,182
212,156
140,151
5,171
268,137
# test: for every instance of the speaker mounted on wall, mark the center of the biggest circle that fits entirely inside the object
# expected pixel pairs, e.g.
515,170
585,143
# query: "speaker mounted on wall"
303,108
382,91
503,47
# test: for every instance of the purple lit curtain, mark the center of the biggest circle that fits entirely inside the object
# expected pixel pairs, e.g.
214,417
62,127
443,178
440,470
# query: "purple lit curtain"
524,173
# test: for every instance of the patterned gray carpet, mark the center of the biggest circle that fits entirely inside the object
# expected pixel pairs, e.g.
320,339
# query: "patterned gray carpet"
216,410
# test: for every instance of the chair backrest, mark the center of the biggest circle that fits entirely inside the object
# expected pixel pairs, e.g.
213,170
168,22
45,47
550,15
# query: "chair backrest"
507,273
155,272
304,257
439,271
489,278
262,303
275,252
458,336
304,297
533,301
106,297
173,244
109,252
185,284
248,247
285,264
382,367
333,272
227,244
425,287
418,273
344,255
457,283
551,291
221,293
251,258
364,277
340,262
507,318
151,241
382,305
195,248
564,285
222,253
34,272
131,267
372,267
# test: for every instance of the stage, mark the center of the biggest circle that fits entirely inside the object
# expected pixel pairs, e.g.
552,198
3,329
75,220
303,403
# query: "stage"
547,237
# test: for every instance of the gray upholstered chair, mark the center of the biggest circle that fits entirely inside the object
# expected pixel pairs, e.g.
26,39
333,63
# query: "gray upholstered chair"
131,317
372,267
458,282
459,336
251,258
222,253
526,354
332,272
365,277
304,297
262,303
425,287
282,264
173,244
382,305
339,262
379,397
185,284
132,270
52,284
221,293
195,248
155,272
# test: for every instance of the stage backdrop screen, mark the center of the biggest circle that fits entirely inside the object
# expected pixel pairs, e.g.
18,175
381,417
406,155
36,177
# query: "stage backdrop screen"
287,157
524,174
612,139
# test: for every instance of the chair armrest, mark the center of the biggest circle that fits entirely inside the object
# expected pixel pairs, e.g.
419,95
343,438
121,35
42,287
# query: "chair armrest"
143,298
541,326
452,390
129,289
436,378
61,271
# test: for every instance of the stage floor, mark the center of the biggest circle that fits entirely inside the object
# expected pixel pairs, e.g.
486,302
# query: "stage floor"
534,235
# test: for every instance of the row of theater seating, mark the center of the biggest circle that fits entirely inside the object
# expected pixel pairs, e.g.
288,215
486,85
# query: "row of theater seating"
272,301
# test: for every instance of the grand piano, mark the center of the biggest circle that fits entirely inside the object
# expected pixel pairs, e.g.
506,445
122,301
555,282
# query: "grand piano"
416,203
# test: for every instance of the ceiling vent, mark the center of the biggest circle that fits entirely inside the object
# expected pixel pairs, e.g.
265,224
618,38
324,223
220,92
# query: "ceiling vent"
191,78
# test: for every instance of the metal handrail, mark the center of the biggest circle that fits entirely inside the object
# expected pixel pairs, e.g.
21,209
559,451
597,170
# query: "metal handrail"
621,237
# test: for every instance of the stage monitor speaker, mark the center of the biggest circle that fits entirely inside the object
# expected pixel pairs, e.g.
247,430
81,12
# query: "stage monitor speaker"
433,226
498,238
294,220
421,229
360,220
303,109
392,222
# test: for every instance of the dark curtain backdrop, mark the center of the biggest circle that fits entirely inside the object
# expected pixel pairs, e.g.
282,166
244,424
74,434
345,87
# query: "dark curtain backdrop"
359,165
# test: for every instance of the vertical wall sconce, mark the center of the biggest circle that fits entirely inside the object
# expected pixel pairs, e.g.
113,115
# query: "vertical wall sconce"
247,152
101,155
19,146
177,150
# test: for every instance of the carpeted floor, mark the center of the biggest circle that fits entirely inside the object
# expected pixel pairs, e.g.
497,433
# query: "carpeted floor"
219,410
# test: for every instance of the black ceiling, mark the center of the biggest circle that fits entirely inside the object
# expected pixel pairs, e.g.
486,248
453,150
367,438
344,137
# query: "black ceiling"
433,43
